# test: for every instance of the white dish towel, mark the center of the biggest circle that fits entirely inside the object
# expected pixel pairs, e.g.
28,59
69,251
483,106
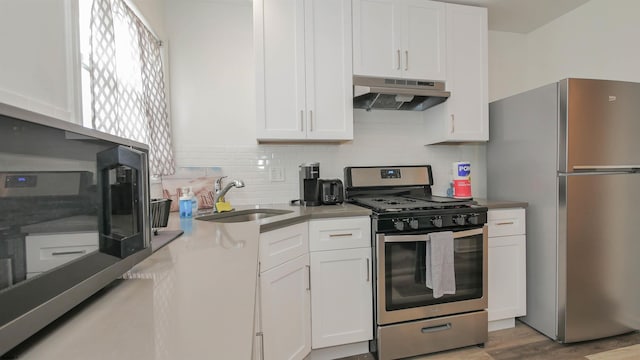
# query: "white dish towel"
440,270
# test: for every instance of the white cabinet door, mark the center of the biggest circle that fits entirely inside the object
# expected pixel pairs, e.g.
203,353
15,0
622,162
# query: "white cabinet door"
304,69
399,38
39,66
464,117
329,70
423,43
341,297
286,320
507,278
280,82
376,39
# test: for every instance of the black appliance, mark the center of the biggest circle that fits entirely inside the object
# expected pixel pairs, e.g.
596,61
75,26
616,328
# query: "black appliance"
309,185
411,318
74,216
331,191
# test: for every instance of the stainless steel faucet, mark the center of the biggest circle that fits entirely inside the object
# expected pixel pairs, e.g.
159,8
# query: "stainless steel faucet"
220,192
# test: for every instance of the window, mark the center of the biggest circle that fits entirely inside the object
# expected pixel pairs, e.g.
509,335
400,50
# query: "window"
122,79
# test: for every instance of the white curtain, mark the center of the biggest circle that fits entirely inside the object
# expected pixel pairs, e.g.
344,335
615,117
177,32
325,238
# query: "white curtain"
127,84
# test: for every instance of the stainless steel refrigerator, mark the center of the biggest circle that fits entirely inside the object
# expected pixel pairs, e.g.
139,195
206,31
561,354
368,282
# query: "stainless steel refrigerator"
571,149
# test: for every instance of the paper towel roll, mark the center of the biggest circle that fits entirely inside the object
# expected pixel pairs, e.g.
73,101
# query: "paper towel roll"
462,180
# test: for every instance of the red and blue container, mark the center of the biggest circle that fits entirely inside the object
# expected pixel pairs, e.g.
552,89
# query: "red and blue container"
462,180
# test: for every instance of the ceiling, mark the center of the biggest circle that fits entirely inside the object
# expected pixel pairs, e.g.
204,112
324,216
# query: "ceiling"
522,16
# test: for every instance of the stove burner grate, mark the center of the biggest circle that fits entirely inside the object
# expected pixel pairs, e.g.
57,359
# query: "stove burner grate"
398,203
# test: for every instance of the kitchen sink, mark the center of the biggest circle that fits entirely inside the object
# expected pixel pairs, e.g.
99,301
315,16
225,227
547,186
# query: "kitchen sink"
242,215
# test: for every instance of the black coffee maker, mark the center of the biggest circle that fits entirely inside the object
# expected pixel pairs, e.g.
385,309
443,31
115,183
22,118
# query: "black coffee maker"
309,184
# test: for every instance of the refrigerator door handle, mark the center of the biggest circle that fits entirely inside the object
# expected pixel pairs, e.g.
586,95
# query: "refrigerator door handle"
607,168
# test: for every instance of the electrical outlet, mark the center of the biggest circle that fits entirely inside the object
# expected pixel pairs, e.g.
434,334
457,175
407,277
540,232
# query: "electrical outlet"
276,174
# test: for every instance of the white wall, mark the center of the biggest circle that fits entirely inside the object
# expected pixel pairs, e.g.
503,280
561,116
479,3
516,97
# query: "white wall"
597,40
213,112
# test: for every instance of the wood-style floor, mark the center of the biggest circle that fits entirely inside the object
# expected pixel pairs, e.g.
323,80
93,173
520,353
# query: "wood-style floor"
524,343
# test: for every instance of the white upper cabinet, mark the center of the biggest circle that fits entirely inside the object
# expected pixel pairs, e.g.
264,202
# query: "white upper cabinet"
464,117
37,66
399,38
304,70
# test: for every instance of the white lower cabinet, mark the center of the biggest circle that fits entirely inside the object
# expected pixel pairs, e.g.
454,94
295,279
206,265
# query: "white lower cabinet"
320,299
286,315
341,300
284,323
341,295
507,266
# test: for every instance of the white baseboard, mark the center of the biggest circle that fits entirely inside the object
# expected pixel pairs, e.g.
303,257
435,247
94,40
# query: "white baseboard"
337,352
502,324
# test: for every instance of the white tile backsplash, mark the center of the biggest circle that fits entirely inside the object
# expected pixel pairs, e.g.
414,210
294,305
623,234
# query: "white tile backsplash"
381,138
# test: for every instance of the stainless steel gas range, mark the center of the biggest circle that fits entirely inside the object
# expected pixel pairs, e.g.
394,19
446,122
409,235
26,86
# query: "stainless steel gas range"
430,268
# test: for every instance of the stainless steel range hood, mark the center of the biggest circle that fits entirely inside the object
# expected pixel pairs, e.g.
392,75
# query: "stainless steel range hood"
397,94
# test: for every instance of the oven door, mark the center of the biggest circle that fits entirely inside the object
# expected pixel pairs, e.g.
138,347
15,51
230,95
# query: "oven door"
402,294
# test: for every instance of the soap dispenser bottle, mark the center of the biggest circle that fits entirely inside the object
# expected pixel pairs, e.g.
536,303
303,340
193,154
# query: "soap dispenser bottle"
194,202
185,204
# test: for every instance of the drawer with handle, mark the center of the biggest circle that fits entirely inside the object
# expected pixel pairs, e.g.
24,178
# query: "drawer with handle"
339,233
46,251
503,222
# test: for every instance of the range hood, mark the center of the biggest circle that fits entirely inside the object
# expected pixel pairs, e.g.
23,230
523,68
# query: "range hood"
397,94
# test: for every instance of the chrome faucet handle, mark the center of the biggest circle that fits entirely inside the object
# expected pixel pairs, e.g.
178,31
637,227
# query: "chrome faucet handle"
218,184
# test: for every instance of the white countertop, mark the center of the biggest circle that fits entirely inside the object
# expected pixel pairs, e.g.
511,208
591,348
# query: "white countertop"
186,301
192,299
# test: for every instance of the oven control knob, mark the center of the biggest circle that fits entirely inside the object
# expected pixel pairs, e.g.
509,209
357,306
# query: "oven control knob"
459,220
436,221
413,223
399,225
473,219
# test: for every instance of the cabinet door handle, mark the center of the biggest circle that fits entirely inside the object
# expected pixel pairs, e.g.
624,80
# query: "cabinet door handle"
406,59
308,277
453,123
301,120
341,235
399,60
311,120
505,223
368,274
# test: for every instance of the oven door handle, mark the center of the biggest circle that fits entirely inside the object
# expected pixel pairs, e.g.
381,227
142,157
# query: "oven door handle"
425,237
466,233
